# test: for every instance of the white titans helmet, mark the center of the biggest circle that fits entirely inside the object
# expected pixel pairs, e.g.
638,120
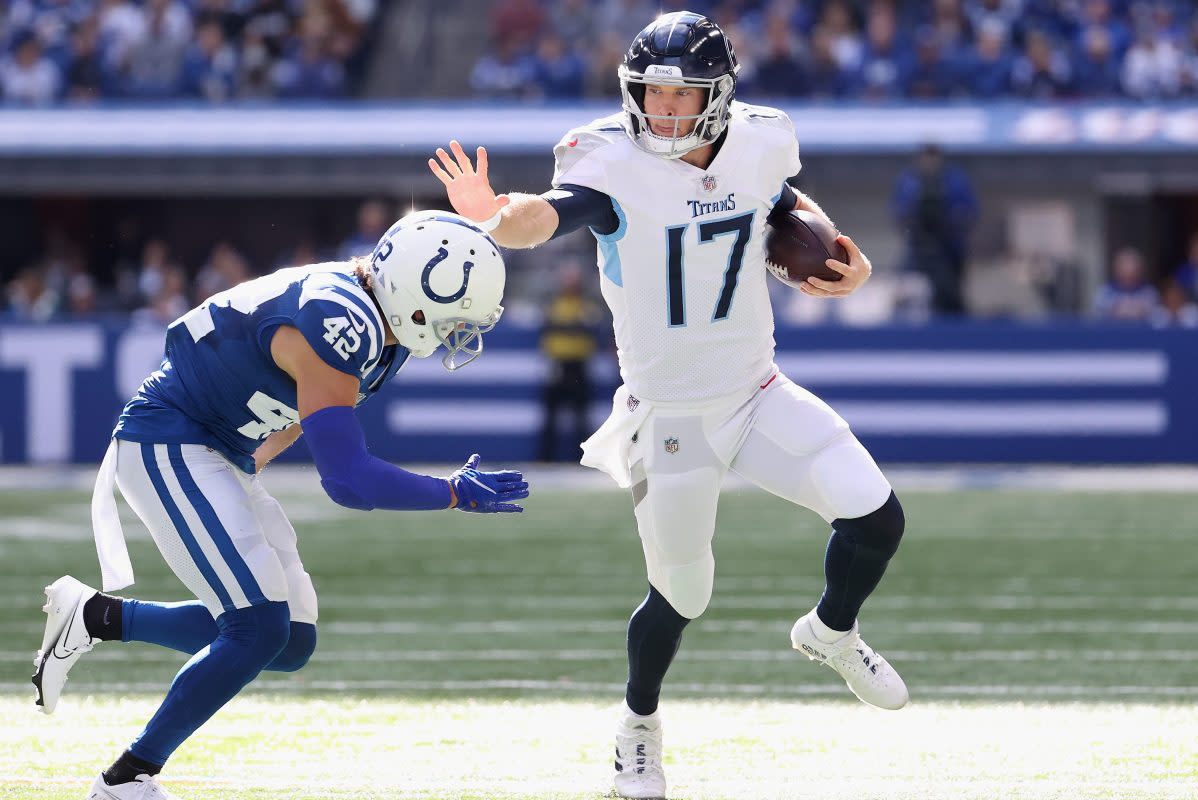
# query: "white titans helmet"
439,280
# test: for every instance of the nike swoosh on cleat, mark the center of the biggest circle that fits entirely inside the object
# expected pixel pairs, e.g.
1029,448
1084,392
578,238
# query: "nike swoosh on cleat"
66,632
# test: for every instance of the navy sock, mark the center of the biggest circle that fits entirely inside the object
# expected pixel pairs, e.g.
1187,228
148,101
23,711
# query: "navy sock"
189,627
127,767
857,555
654,635
248,640
102,616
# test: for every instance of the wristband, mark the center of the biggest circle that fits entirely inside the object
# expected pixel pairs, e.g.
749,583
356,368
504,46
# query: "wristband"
492,223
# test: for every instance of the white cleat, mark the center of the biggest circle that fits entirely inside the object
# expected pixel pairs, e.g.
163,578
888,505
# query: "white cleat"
867,674
66,639
639,773
143,787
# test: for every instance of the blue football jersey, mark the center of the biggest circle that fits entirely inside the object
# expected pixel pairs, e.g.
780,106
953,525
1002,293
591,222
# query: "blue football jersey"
218,385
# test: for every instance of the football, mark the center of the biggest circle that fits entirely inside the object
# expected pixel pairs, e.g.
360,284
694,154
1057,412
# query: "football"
798,243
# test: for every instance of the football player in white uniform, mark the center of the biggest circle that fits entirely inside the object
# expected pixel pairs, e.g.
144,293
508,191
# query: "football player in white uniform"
676,190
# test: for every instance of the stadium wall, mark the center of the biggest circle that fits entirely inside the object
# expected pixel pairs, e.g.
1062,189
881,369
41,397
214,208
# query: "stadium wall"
943,392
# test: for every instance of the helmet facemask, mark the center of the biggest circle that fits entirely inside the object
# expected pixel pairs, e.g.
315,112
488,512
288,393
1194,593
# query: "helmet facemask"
709,123
464,337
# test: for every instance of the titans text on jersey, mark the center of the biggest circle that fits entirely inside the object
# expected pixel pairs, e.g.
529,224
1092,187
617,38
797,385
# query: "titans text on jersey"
684,272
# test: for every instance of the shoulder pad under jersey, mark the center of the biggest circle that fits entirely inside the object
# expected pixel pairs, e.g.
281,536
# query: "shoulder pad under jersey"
573,156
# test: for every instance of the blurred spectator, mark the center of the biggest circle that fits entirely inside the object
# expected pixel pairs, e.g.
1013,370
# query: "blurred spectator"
311,73
1153,67
209,65
254,65
30,297
573,20
930,77
934,206
624,19
27,76
82,297
1097,70
372,224
212,50
151,273
837,22
169,300
1177,308
779,73
225,269
516,23
506,73
1042,72
997,16
86,77
825,78
1186,273
602,80
1097,15
1128,295
885,63
568,341
558,72
154,63
122,24
990,71
952,31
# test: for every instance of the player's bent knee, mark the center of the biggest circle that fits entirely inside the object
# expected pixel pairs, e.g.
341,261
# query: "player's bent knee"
297,651
262,630
880,530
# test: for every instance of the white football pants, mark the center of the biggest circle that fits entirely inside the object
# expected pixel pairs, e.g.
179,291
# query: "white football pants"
781,437
222,534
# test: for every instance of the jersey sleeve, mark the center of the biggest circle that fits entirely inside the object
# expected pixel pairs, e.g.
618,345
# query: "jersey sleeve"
576,158
578,207
339,328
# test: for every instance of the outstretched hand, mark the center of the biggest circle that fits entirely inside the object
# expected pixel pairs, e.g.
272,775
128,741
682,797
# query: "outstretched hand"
487,492
469,189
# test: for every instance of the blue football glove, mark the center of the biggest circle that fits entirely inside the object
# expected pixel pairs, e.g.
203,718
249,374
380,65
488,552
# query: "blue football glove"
487,492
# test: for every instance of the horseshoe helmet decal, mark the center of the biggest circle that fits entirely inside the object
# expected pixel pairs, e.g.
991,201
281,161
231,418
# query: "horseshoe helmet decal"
441,255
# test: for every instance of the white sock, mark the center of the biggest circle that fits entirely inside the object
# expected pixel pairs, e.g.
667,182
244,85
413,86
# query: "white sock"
628,712
823,632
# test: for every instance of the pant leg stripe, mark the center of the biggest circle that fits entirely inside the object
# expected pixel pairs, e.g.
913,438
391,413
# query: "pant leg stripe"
212,524
193,547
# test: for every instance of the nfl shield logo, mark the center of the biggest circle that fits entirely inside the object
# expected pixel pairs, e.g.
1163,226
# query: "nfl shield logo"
672,445
633,403
709,183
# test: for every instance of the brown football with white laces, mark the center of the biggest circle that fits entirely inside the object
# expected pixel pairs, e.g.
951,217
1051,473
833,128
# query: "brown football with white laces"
798,243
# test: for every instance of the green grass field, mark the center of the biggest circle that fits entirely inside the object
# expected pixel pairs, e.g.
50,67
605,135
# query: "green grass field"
1049,639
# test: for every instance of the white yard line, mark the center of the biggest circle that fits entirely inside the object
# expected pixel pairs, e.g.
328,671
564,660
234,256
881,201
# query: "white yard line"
412,655
921,628
710,689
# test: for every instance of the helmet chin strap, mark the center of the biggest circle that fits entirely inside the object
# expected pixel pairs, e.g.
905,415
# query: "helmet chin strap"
670,146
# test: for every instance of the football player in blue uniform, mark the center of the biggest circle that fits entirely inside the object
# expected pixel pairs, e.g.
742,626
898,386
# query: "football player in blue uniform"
244,374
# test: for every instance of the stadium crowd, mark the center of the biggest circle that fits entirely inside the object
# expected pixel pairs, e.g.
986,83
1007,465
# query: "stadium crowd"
212,50
865,49
150,281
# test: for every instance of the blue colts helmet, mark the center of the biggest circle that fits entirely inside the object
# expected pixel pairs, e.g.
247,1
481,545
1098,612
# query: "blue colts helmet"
679,49
439,280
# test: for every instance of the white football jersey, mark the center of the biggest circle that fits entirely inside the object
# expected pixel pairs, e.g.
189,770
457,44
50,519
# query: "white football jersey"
684,274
